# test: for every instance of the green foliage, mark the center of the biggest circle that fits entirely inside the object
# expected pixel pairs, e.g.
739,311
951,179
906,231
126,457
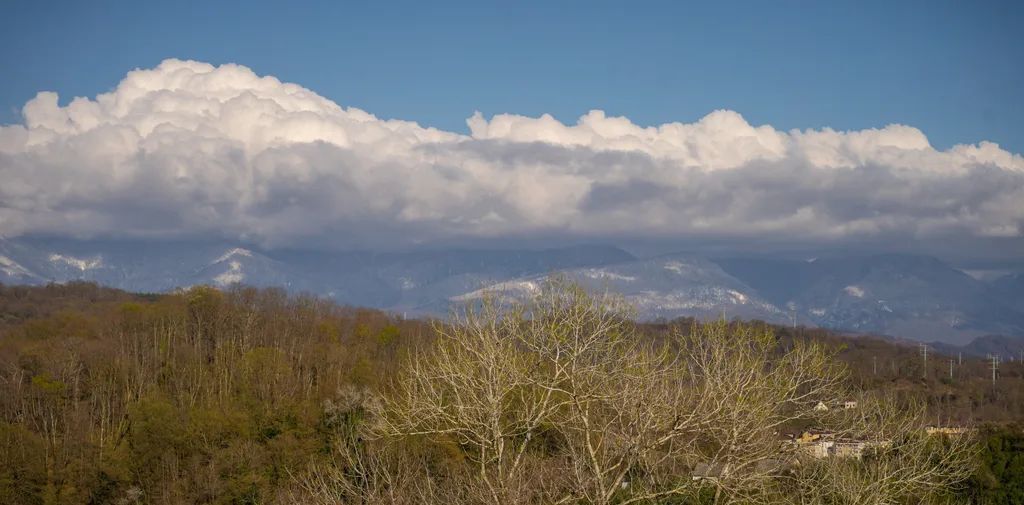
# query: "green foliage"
47,384
157,436
388,335
23,469
1000,476
205,396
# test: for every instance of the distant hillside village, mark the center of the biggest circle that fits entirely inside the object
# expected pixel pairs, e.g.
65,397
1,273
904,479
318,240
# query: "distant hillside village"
821,444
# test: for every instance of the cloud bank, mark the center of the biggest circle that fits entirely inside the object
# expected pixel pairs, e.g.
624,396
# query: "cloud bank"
188,149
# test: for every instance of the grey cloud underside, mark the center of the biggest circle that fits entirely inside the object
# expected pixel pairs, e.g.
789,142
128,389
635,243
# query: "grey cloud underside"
191,150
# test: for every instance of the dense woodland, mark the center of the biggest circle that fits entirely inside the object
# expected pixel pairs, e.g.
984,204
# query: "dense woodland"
250,395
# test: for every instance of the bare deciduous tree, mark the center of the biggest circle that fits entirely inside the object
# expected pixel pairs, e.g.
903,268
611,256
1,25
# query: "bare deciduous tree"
560,400
900,462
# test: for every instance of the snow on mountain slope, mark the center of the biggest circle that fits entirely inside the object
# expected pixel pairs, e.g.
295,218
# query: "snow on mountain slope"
13,269
79,263
901,295
416,282
667,286
911,296
237,265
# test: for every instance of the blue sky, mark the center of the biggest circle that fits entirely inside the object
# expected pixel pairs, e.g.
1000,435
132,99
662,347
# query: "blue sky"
952,69
198,144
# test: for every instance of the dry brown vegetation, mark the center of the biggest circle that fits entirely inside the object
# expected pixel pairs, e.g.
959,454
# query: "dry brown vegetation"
560,400
253,396
199,397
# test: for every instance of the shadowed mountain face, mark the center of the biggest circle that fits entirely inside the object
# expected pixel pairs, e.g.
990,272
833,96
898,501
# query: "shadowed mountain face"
1011,289
913,296
908,296
1004,347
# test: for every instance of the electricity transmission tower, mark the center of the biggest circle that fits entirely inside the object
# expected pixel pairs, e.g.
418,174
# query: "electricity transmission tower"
994,365
924,355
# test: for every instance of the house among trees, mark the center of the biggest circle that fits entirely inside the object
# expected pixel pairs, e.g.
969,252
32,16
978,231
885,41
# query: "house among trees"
823,444
847,448
848,404
947,430
815,443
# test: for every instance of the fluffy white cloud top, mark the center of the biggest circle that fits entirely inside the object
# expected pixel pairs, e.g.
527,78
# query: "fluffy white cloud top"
188,149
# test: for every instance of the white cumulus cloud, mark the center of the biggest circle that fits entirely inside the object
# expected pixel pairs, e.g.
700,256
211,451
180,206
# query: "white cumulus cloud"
194,150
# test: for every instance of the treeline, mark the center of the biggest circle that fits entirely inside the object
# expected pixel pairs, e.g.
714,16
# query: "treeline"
254,396
958,390
204,396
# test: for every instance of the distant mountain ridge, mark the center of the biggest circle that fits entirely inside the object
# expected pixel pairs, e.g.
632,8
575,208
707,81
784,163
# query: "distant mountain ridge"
916,297
663,287
903,295
1002,346
418,282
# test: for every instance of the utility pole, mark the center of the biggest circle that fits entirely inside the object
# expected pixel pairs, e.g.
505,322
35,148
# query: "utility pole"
874,365
959,358
924,354
950,369
994,363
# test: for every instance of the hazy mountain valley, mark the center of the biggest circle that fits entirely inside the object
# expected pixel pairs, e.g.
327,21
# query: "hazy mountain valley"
902,296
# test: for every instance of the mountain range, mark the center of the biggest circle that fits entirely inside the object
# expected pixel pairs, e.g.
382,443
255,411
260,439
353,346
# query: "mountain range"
907,296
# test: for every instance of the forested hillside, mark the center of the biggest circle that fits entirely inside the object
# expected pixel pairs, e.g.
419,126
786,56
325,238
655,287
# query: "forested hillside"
203,396
248,395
